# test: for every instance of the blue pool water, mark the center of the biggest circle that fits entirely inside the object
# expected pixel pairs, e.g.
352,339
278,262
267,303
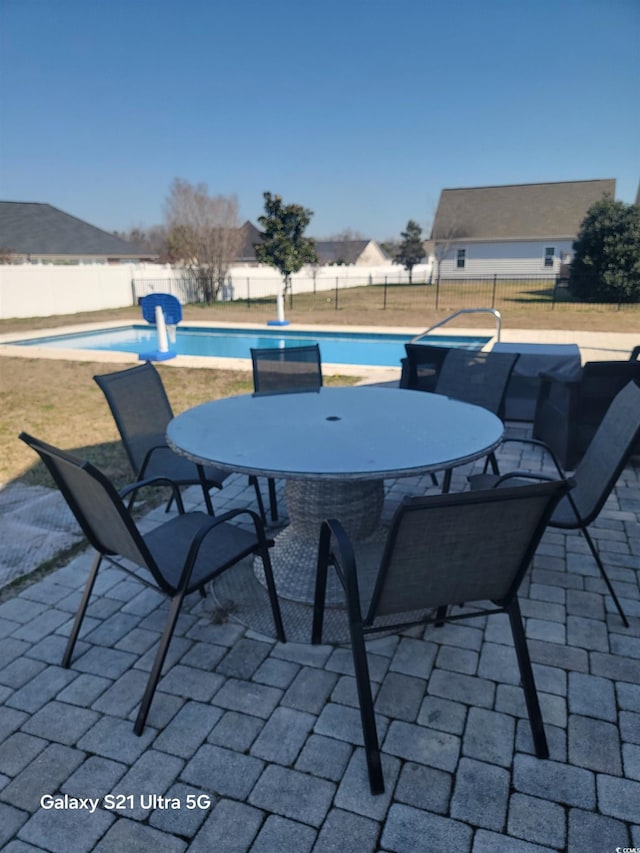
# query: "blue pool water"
385,350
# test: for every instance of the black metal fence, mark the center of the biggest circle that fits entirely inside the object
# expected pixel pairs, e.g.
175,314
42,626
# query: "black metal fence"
498,292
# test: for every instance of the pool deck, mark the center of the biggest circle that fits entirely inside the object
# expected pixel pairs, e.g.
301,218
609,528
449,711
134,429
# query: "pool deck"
267,735
594,346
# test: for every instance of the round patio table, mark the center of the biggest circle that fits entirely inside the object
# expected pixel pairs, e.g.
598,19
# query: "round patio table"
334,447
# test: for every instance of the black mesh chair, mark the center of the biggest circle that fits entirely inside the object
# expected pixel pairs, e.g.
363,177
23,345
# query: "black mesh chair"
594,477
142,411
443,549
421,367
480,378
282,370
285,370
178,557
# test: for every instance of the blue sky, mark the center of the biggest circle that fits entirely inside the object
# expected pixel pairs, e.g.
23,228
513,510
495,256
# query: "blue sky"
361,111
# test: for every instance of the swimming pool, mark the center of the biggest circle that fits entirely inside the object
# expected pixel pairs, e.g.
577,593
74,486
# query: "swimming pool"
373,349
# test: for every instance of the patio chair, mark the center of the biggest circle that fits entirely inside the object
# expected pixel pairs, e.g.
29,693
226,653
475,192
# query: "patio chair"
595,475
421,366
142,411
480,378
282,370
177,558
440,550
568,412
285,370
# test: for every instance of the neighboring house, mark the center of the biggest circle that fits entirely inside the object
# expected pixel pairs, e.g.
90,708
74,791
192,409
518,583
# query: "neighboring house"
519,229
31,232
360,253
246,251
347,252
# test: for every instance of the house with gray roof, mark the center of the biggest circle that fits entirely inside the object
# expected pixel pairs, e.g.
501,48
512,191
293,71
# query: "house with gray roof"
338,252
517,229
32,231
350,252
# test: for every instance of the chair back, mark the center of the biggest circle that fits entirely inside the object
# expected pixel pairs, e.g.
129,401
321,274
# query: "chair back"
475,377
464,547
140,408
96,505
607,453
422,365
281,370
600,381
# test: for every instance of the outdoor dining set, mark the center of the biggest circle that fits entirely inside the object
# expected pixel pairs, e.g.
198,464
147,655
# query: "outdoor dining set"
447,556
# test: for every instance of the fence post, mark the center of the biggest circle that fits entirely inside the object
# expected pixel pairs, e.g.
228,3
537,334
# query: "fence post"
337,289
438,291
384,303
493,291
248,292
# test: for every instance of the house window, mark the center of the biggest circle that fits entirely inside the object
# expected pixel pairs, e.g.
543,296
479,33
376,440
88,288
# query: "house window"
549,254
460,259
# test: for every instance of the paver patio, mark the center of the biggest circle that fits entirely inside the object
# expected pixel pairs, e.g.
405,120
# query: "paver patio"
254,745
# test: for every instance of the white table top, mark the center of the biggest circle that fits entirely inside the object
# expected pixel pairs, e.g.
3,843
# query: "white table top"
338,433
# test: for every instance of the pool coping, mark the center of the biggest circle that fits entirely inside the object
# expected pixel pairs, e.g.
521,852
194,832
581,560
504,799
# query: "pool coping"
594,346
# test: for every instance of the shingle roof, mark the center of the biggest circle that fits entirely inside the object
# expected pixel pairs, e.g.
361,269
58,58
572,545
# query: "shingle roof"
517,211
32,228
346,251
249,236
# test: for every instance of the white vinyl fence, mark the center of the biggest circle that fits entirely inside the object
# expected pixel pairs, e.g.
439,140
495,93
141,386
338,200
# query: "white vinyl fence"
42,290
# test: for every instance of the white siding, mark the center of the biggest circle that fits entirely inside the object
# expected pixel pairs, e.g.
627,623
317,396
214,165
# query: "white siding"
508,258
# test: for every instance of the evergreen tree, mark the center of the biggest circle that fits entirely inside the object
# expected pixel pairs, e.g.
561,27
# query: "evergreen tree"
411,250
606,264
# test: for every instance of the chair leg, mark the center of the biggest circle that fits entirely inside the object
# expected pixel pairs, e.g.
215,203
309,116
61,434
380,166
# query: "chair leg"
273,500
273,595
321,587
205,492
605,577
528,682
88,589
163,648
367,715
253,481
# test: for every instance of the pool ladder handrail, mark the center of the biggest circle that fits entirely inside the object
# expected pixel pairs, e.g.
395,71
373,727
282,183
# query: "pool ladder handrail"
496,314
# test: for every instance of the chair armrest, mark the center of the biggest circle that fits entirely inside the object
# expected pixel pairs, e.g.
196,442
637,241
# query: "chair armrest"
132,488
535,442
208,527
148,455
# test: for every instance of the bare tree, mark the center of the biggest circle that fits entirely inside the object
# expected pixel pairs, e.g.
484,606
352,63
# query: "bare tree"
202,233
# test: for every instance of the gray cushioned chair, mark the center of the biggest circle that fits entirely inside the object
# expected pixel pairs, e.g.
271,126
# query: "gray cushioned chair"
440,550
178,557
